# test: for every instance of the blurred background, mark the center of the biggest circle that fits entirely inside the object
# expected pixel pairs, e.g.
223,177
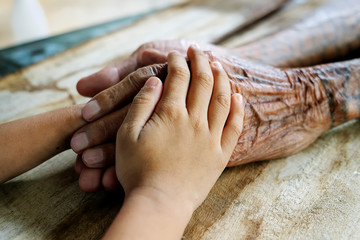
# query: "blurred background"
25,20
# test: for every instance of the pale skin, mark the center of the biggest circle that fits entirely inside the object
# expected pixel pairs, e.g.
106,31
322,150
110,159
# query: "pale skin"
173,145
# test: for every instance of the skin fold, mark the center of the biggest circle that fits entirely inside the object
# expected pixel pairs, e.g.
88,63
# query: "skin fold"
160,194
286,109
331,32
156,161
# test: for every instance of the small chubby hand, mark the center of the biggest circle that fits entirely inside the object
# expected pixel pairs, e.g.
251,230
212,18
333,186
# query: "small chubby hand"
176,140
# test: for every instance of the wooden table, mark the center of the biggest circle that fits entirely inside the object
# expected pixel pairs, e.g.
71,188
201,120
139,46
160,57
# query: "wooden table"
67,15
311,195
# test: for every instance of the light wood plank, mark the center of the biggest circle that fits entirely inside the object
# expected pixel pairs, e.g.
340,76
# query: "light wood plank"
66,15
311,195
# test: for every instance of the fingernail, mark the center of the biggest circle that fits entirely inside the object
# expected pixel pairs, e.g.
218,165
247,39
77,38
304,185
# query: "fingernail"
93,156
217,65
238,97
79,142
90,110
152,82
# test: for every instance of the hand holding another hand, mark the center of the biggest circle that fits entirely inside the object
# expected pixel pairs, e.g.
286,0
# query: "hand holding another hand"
147,54
184,135
173,145
95,141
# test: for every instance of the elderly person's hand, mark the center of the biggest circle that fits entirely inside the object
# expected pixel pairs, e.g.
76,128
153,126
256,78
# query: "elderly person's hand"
95,142
147,54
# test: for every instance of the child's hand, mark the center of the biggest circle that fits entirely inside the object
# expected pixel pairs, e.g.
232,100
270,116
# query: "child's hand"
176,146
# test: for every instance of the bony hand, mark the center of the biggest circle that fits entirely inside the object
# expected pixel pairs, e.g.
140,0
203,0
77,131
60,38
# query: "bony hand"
174,144
95,142
147,54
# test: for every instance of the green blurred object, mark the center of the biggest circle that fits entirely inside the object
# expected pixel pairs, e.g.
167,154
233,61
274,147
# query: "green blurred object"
19,56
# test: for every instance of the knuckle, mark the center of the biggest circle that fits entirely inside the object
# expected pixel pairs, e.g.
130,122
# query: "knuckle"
110,98
205,79
113,96
198,123
169,111
136,79
74,112
128,127
142,98
223,100
125,130
179,72
237,130
102,130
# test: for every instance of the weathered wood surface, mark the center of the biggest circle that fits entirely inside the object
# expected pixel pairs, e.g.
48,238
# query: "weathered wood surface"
311,195
67,15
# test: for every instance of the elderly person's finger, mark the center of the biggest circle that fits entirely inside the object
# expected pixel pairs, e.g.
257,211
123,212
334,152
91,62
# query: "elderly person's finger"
98,132
100,156
122,93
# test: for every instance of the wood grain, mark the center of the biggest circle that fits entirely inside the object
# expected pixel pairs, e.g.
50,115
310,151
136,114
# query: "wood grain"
291,13
66,15
311,195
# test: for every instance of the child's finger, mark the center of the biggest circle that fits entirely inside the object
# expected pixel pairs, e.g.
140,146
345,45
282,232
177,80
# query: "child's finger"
141,108
234,124
177,81
220,100
201,85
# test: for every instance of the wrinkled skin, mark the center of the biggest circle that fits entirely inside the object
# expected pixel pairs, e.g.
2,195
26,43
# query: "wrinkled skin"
286,109
311,41
147,54
93,176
